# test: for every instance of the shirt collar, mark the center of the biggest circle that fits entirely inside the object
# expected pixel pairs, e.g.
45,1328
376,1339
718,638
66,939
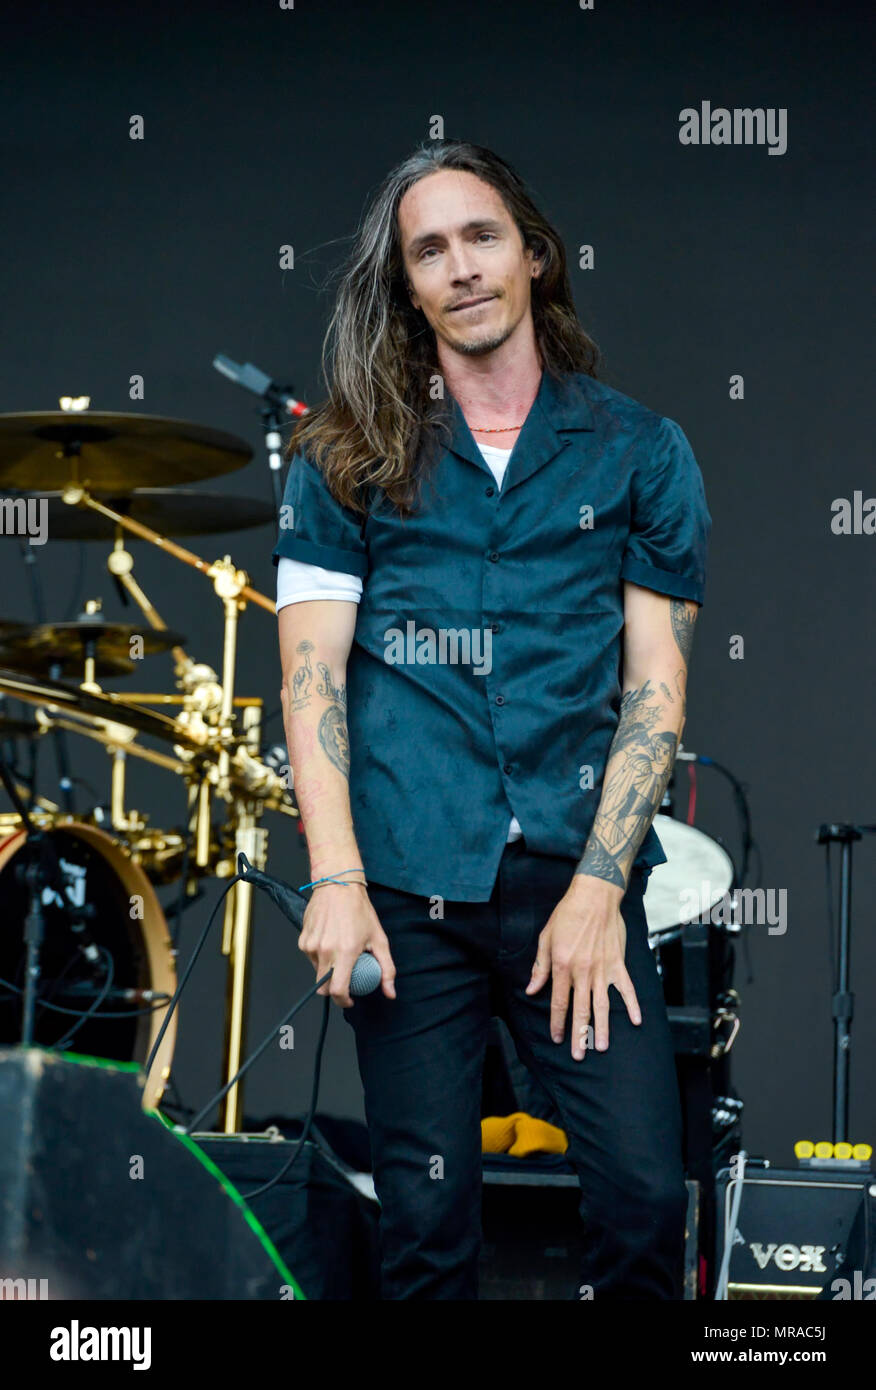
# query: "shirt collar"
560,404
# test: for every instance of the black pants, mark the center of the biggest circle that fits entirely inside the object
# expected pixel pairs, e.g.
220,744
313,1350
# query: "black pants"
421,1060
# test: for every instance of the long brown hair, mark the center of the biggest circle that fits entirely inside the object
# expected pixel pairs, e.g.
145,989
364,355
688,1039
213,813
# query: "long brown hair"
378,356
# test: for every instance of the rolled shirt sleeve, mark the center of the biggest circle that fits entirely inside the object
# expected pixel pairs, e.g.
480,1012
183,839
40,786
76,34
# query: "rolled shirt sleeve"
299,583
315,528
670,523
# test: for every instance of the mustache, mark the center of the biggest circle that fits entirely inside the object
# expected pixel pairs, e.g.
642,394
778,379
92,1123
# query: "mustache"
487,294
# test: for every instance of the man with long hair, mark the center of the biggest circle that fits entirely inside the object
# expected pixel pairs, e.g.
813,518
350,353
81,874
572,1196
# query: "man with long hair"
489,569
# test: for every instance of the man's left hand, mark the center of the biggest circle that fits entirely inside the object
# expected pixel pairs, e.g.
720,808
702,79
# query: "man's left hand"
582,948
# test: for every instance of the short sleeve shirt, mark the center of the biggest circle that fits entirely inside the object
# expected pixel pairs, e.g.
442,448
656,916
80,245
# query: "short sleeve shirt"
485,678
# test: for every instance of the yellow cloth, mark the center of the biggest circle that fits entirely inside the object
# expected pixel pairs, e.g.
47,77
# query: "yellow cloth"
521,1134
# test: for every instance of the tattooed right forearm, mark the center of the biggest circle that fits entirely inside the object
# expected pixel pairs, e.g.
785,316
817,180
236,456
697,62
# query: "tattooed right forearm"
302,677
332,729
334,738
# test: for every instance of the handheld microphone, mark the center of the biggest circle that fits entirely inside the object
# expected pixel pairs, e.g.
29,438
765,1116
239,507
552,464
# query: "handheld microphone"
366,974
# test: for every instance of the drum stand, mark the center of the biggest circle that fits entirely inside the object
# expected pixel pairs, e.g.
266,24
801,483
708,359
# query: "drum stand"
232,588
62,757
216,757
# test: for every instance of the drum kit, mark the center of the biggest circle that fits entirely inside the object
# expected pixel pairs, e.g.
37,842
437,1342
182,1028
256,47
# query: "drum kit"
698,869
108,477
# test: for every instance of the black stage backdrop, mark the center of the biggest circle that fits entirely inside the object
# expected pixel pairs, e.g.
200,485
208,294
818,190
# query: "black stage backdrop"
266,126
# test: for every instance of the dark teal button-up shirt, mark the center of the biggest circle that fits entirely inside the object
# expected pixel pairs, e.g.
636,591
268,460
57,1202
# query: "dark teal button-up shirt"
484,678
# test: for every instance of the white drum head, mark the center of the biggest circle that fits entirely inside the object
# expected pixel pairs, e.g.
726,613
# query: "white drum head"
698,872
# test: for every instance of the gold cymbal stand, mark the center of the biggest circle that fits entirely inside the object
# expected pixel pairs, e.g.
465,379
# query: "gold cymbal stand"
208,698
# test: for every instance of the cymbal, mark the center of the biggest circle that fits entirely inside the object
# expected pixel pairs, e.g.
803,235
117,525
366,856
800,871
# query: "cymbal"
112,638
108,705
170,512
35,663
112,451
40,646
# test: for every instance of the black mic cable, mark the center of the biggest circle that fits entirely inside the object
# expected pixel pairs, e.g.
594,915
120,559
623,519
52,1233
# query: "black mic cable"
104,993
64,1042
366,974
185,975
365,977
254,1056
305,1132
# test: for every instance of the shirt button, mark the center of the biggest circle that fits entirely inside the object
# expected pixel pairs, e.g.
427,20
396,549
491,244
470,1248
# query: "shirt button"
494,555
508,769
495,627
500,699
489,491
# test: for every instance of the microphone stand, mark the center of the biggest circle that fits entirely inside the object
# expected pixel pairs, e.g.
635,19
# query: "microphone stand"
843,1003
274,445
59,736
279,404
41,868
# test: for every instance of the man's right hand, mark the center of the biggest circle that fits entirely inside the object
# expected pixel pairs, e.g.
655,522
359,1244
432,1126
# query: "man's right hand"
339,924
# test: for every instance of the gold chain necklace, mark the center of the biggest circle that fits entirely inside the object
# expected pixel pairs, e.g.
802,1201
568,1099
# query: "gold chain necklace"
500,429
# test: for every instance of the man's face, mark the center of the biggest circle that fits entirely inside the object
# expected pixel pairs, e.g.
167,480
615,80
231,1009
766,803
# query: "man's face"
460,243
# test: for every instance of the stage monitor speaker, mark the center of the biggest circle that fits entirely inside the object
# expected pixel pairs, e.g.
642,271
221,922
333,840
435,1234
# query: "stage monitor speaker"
321,1215
103,1200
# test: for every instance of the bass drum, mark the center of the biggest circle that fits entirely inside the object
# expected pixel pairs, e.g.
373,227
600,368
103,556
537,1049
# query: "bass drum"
99,874
696,876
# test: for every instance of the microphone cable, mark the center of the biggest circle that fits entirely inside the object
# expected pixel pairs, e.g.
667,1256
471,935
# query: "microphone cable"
64,1042
308,1123
273,887
82,1013
254,1056
199,946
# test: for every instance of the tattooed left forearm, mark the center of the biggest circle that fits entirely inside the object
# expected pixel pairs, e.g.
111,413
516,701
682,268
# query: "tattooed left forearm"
640,763
639,766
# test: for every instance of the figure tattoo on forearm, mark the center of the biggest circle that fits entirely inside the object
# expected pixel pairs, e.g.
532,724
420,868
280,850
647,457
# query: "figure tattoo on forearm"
641,759
302,677
684,616
332,731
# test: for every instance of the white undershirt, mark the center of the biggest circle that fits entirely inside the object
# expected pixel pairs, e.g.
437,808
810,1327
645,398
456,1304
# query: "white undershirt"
298,582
